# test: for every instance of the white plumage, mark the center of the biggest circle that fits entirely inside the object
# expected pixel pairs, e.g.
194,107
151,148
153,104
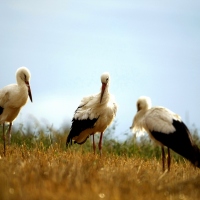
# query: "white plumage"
94,114
167,129
13,97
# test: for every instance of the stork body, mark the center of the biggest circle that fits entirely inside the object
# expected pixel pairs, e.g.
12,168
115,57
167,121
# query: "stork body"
12,98
94,114
167,129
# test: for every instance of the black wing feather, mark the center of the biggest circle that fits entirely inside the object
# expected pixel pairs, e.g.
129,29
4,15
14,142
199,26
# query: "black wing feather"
78,126
180,141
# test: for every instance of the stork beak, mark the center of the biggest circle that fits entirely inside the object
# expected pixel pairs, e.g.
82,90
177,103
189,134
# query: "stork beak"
138,107
102,90
29,91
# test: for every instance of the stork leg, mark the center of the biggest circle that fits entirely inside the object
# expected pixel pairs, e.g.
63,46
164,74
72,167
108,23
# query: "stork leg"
100,144
168,159
163,158
94,145
4,140
9,133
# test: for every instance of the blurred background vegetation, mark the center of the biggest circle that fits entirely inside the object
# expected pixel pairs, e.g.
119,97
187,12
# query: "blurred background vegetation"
45,138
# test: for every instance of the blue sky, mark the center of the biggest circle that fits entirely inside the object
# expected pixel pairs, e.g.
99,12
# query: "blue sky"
149,48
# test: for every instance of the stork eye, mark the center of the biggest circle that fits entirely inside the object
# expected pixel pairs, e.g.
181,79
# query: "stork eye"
24,76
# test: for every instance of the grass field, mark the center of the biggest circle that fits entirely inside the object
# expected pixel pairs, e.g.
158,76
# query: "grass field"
50,171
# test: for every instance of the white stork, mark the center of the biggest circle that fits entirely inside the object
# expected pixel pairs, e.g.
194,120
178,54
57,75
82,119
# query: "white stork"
94,114
167,129
12,98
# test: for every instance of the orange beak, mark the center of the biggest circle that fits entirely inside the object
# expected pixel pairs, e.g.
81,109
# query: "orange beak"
102,90
29,91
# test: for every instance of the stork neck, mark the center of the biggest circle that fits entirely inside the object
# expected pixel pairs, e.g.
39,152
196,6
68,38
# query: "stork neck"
20,82
105,95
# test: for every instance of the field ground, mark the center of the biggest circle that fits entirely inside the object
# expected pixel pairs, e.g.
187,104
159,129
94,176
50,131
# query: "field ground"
57,173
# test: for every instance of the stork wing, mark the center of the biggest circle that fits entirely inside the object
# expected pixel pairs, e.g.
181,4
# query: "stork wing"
180,141
84,118
78,126
160,119
4,97
85,109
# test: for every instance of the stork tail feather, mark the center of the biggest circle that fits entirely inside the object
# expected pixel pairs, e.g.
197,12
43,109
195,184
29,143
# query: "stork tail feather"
196,156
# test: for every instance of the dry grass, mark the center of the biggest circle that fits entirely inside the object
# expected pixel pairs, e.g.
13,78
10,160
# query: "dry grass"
58,174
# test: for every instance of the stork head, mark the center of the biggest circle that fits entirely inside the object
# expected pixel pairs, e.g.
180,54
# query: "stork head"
23,76
105,77
143,103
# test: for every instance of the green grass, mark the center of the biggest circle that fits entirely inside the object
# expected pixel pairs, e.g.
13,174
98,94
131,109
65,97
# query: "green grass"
144,148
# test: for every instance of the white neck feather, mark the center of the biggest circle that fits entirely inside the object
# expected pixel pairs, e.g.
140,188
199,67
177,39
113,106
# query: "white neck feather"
106,95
